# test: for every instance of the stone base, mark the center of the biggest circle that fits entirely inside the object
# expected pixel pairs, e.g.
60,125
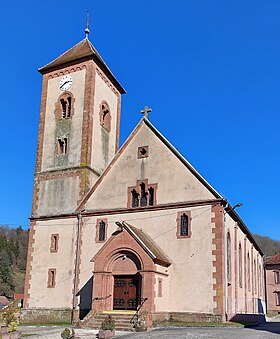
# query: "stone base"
159,317
45,315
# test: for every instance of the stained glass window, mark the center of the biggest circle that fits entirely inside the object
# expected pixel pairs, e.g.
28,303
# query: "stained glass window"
184,225
101,231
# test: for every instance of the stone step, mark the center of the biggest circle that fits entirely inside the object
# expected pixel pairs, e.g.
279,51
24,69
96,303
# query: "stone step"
122,321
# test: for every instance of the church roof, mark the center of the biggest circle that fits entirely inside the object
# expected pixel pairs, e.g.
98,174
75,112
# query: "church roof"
84,50
148,244
273,260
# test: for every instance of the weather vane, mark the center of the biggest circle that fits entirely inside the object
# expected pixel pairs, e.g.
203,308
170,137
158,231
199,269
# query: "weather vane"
87,25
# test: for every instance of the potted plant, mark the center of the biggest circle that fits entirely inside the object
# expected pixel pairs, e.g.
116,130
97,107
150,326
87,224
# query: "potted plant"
67,334
107,328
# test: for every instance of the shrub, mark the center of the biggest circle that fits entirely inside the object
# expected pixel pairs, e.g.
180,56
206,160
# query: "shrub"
10,320
108,323
67,334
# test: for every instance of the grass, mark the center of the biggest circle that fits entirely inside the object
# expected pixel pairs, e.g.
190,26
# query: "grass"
48,324
271,315
26,335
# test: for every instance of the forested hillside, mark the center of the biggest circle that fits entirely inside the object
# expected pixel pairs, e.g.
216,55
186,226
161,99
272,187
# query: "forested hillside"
269,246
13,253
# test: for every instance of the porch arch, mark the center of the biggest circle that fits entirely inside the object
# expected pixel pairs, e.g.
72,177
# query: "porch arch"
121,255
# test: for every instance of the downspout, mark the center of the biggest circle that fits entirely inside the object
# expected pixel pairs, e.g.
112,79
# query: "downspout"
265,288
74,302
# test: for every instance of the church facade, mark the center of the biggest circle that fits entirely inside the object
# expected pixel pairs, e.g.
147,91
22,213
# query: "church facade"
113,229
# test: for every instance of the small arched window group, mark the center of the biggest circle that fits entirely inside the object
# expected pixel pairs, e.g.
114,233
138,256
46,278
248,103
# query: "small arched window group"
105,116
64,106
142,195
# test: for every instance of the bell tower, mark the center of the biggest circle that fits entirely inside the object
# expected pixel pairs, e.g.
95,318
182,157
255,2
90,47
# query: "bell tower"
78,130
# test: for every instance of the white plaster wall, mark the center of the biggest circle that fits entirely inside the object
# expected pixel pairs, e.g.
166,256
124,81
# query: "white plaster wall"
242,299
175,182
62,261
103,92
53,93
189,285
241,290
58,196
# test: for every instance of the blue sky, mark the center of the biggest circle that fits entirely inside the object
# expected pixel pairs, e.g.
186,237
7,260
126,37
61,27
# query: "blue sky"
209,69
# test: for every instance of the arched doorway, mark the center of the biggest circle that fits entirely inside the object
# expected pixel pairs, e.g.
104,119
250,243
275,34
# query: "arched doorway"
127,281
124,271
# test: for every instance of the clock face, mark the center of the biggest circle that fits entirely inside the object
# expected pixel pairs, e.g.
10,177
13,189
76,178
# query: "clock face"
65,83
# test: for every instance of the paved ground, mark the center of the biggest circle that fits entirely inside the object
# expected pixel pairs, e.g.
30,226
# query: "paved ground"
268,331
54,332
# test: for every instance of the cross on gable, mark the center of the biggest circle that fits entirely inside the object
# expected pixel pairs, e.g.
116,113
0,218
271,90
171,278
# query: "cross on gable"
145,111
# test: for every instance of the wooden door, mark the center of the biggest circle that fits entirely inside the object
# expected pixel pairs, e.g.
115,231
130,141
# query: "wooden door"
126,292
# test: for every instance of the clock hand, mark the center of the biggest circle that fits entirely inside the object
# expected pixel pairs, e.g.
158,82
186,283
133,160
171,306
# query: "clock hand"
65,82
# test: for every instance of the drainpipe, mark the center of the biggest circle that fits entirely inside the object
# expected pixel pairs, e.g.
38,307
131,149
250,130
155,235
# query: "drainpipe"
265,288
74,302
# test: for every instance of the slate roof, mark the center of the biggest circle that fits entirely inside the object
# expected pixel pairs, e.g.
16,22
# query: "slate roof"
84,50
148,244
273,260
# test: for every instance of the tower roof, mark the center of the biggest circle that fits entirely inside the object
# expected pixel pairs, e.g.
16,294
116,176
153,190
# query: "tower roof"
84,50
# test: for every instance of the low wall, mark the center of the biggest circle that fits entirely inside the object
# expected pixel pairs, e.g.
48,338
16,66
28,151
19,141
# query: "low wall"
45,315
185,317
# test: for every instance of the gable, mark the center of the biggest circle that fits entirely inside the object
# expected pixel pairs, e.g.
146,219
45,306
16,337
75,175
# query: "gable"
175,179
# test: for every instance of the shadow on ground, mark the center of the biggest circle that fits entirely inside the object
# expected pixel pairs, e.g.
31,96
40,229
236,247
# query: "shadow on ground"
271,326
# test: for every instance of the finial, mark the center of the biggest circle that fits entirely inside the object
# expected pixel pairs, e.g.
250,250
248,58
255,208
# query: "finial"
87,25
145,111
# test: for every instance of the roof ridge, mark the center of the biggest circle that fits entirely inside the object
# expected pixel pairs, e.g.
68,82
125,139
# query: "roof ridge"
69,49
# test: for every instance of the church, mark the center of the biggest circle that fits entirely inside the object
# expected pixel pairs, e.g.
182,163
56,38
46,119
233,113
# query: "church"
130,229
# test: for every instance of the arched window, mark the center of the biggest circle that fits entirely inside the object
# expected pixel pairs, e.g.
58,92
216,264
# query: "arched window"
255,276
64,106
248,272
184,225
151,196
143,199
135,198
240,265
101,230
260,280
105,116
62,146
228,258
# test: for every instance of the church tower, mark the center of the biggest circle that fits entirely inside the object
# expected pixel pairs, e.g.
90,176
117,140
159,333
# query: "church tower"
78,130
